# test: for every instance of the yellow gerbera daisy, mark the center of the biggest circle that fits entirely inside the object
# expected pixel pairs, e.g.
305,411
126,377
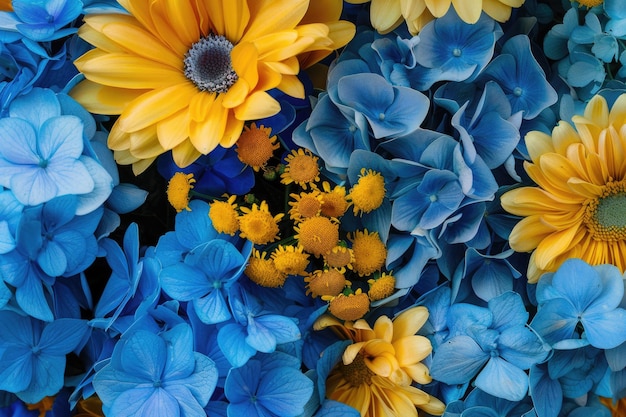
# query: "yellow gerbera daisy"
386,15
578,209
185,75
377,370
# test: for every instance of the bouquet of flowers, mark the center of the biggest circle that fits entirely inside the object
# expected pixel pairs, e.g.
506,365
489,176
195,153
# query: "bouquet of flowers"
302,208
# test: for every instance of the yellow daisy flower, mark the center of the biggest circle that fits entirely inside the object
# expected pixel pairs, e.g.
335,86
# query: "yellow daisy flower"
317,235
258,225
302,168
381,287
334,199
224,215
290,260
578,209
256,146
368,193
370,253
351,306
386,15
377,370
305,205
178,189
185,75
329,282
263,272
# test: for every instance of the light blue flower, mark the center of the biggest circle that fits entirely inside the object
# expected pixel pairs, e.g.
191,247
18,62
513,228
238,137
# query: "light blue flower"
204,278
492,344
580,294
480,404
557,43
458,50
32,354
156,375
268,386
40,20
40,150
518,73
408,254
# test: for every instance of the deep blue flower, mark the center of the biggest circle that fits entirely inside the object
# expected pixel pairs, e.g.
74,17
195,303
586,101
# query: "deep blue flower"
217,173
205,277
40,20
156,375
268,386
492,344
580,294
32,354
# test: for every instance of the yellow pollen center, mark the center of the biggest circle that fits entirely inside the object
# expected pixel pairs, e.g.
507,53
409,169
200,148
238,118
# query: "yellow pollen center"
357,373
255,146
381,288
369,192
589,3
224,217
349,307
370,252
178,190
605,216
318,235
301,168
330,282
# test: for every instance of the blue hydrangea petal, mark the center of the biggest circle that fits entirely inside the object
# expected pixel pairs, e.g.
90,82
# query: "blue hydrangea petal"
145,401
578,282
521,347
458,360
212,308
194,227
16,370
47,380
545,392
556,321
283,328
187,402
37,106
612,289
242,382
31,298
605,330
144,355
508,311
201,383
181,360
220,259
23,149
502,379
102,186
183,282
284,391
62,336
110,383
52,259
259,337
232,342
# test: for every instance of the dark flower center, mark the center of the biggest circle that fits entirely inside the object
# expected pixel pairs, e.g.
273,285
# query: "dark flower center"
208,64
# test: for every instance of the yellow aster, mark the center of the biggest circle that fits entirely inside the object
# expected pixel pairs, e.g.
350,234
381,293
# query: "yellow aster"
290,260
578,209
258,225
178,189
224,215
377,370
368,193
386,15
263,272
370,253
185,75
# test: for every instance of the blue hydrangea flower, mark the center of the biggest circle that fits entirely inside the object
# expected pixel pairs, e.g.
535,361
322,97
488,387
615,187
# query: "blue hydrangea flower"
41,21
269,385
204,279
518,73
492,344
253,329
51,242
457,50
580,294
156,375
32,354
40,150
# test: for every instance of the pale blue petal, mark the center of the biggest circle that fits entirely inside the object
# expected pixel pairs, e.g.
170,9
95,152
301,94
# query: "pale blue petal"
201,383
284,391
508,310
578,282
70,176
23,149
125,198
502,379
52,259
61,138
101,190
545,392
219,260
259,337
616,357
189,404
458,360
232,342
180,358
110,383
522,347
605,330
38,106
194,227
332,408
556,321
612,289
7,242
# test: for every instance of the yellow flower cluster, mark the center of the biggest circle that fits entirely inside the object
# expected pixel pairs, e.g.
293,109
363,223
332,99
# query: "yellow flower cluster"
347,269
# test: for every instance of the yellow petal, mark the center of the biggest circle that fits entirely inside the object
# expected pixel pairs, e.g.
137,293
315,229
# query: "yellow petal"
497,10
322,11
101,99
118,140
528,233
126,71
185,154
553,245
438,8
385,15
617,116
412,9
278,46
257,106
537,144
351,352
156,105
208,121
527,201
411,349
597,111
173,130
383,328
141,165
144,143
182,17
468,11
270,16
232,132
409,322
340,33
563,136
419,373
383,364
244,58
